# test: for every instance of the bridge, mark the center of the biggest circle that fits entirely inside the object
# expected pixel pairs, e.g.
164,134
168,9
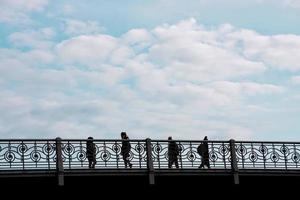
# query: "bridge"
64,162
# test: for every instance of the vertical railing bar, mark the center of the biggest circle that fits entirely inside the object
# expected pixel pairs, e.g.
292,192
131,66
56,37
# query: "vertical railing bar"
22,158
69,154
35,150
59,162
223,155
295,154
80,150
48,154
104,148
140,157
284,152
243,155
158,157
9,150
273,149
212,150
117,155
234,166
150,166
264,155
191,149
252,151
180,155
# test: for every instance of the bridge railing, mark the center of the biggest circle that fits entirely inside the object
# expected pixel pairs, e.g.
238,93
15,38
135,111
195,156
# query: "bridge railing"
108,154
189,158
27,154
267,155
42,154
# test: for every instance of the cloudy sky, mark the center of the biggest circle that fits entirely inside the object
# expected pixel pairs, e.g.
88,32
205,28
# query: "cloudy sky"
152,68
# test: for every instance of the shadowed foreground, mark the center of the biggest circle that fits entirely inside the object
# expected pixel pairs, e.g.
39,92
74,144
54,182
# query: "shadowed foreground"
64,167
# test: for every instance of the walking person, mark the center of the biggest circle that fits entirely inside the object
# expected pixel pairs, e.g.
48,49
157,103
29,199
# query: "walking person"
173,152
125,149
91,152
204,153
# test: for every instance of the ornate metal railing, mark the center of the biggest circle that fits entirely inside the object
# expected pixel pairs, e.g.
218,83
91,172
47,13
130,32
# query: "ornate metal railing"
268,155
43,154
219,154
108,154
27,154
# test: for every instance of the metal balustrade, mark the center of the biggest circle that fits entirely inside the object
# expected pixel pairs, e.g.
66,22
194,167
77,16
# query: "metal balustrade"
27,154
149,157
268,155
42,154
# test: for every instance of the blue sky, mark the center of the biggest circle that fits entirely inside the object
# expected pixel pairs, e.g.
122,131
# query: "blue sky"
222,68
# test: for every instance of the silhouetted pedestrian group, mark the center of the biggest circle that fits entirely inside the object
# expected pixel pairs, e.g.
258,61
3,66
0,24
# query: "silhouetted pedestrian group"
91,151
173,152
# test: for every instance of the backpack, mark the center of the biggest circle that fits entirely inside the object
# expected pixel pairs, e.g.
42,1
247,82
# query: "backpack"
200,149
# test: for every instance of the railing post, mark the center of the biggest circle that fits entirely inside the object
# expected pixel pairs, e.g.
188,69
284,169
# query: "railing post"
59,162
234,166
150,166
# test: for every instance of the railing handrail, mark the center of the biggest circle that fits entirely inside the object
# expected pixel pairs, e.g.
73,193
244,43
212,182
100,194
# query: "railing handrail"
153,140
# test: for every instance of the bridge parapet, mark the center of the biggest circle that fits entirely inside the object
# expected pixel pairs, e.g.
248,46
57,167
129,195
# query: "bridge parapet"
152,156
41,154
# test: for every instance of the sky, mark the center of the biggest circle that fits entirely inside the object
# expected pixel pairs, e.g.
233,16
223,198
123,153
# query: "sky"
153,68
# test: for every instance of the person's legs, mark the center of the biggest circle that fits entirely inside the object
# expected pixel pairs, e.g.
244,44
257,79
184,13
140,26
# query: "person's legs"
170,164
202,163
176,163
124,159
94,162
207,163
130,165
90,163
128,161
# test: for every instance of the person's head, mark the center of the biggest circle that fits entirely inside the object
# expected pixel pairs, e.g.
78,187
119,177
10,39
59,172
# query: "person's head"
90,138
205,138
123,135
170,138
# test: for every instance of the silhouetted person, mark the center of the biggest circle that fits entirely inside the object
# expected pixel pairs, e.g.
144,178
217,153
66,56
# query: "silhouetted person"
173,152
91,152
125,149
204,153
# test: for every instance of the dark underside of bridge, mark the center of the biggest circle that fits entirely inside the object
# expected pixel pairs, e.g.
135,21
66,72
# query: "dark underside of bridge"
180,182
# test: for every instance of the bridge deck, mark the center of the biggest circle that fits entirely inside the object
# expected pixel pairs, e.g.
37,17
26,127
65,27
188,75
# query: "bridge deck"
64,160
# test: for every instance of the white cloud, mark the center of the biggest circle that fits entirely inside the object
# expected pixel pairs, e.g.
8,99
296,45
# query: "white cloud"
279,51
183,80
138,39
195,54
189,51
29,5
41,39
76,27
9,16
87,49
15,11
248,88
